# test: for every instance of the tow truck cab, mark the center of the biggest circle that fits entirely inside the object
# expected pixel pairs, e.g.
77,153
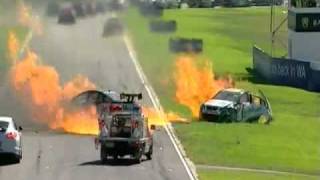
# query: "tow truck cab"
123,128
126,134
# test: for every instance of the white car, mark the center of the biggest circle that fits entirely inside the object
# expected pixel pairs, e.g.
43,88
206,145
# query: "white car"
237,105
10,139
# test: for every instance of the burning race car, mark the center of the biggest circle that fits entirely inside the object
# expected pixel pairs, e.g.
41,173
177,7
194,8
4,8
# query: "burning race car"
237,105
123,128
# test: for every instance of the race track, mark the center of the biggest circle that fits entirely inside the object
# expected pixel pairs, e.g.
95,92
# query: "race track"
47,155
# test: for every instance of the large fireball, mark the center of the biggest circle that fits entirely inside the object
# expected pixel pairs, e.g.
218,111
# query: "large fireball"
195,82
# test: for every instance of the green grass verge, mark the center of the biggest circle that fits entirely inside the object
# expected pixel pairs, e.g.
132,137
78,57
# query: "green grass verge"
236,175
289,143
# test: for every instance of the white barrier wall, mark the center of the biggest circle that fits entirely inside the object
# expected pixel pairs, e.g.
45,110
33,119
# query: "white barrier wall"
305,46
304,35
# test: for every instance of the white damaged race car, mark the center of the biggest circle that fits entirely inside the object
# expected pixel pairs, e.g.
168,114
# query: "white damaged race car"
237,105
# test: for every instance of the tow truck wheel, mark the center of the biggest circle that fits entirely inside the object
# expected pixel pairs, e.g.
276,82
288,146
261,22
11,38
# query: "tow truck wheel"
103,155
115,157
149,154
138,156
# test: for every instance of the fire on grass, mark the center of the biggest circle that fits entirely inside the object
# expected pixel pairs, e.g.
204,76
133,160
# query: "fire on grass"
195,82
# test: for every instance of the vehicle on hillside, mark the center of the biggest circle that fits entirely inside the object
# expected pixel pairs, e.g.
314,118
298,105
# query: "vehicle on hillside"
90,8
10,139
236,3
166,4
67,15
101,7
199,3
237,105
79,8
116,5
123,128
266,2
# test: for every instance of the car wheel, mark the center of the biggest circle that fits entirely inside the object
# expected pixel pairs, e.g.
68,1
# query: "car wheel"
263,120
201,117
115,157
103,155
149,154
138,156
17,159
20,156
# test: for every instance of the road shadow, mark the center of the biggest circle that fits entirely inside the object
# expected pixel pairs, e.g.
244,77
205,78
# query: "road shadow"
111,162
7,160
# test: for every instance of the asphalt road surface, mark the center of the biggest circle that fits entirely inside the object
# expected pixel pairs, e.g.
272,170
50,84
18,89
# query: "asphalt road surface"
80,49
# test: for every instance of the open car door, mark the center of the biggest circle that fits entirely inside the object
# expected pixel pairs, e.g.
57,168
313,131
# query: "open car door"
91,97
267,102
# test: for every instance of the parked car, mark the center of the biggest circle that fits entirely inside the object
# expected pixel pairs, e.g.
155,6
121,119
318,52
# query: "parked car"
218,3
237,105
236,3
265,2
67,15
79,8
10,139
90,8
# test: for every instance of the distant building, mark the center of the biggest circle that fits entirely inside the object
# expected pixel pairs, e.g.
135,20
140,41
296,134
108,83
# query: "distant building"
304,34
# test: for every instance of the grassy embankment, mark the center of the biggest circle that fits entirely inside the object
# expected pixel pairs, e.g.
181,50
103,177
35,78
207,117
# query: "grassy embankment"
290,143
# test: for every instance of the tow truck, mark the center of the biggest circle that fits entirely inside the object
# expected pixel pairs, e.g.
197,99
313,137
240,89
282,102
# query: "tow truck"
123,128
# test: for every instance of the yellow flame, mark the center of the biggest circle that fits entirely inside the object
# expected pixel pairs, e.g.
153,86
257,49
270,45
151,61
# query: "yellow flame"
158,118
13,46
26,18
38,87
195,82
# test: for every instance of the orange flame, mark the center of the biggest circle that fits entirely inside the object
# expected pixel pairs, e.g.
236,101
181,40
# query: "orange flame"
79,122
27,19
13,46
38,86
156,118
153,116
196,83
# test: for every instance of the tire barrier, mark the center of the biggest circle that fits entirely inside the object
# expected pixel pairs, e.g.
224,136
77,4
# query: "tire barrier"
282,71
116,5
163,26
178,45
112,27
